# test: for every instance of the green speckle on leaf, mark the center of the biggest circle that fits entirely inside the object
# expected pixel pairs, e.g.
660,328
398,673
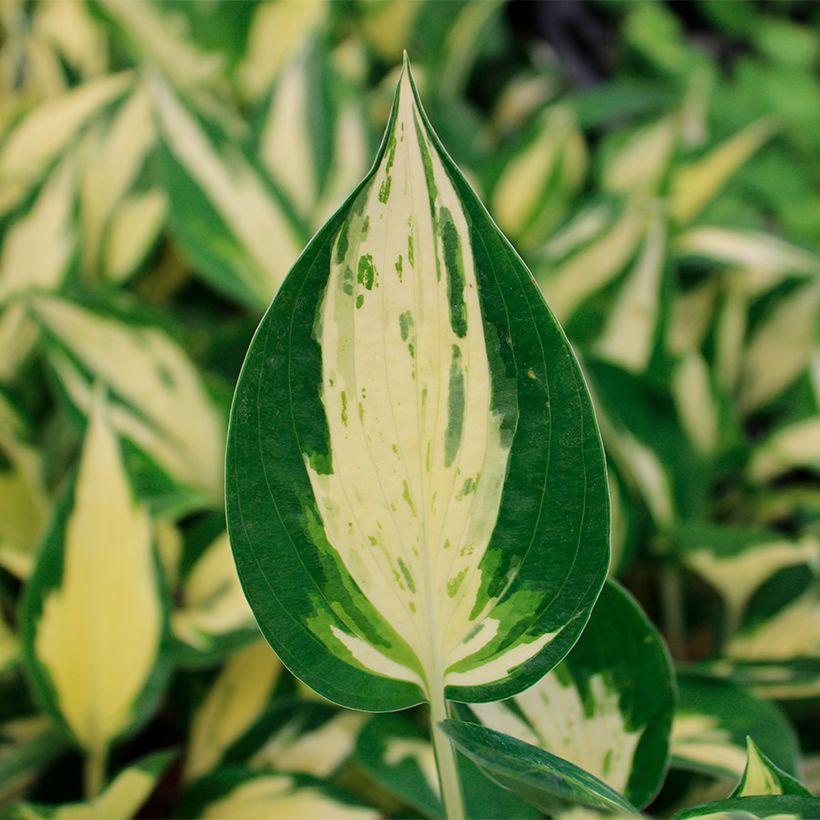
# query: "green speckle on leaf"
407,575
405,324
454,583
367,271
407,497
454,265
455,409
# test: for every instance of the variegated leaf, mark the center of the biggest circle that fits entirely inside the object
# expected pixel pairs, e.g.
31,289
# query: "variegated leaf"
229,219
37,253
761,776
212,615
790,447
713,719
277,32
737,561
113,156
417,500
416,493
597,256
786,633
631,329
782,807
41,135
313,138
538,180
641,163
96,667
159,402
316,740
773,258
231,793
696,184
149,32
549,783
233,705
607,707
120,800
780,347
28,744
24,500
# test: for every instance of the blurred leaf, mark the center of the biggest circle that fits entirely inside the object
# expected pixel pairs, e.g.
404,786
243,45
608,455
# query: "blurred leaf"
41,135
158,399
780,347
95,667
231,793
714,718
239,695
696,183
212,614
229,220
120,800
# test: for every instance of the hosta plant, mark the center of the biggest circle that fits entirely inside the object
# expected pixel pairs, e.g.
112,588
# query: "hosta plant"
416,491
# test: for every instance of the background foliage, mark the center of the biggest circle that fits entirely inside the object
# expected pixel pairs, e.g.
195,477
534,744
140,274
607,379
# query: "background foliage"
161,167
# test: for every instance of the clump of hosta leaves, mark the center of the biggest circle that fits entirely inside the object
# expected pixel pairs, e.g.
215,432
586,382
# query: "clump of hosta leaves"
416,494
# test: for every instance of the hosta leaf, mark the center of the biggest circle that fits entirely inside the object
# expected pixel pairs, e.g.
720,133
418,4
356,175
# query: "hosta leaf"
120,800
712,722
640,164
313,138
737,561
787,633
43,133
24,501
697,183
645,441
539,178
748,249
416,495
233,705
594,263
28,744
159,401
276,34
398,755
549,783
149,32
630,332
697,404
741,808
227,218
94,666
791,447
37,252
780,347
761,776
213,613
232,793
316,740
607,707
113,156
